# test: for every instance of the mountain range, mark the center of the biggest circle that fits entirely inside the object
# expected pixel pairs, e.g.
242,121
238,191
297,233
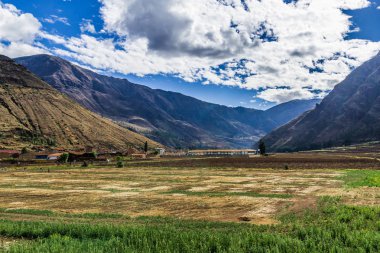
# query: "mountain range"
350,114
33,113
169,118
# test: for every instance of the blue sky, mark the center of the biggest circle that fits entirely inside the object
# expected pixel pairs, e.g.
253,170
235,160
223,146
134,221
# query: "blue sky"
236,53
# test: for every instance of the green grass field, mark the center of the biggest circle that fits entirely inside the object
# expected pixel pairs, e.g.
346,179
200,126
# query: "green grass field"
359,178
332,227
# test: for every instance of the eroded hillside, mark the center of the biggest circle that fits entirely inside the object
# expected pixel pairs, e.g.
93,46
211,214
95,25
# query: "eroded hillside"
32,113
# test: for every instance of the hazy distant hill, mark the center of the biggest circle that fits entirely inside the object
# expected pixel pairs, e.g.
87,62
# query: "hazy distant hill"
349,114
283,113
31,112
168,117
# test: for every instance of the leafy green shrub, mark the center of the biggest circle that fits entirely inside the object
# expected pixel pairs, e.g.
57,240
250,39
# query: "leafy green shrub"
120,164
24,150
64,158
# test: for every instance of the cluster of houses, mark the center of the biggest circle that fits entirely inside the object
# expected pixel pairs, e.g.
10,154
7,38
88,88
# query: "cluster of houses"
73,155
91,154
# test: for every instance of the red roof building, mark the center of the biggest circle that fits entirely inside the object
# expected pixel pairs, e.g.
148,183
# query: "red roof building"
9,153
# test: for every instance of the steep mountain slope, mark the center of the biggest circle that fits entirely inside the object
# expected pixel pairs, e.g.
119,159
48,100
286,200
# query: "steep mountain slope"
31,112
170,118
349,114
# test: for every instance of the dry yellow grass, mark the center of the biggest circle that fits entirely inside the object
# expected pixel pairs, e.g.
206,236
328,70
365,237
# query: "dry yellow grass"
191,193
55,116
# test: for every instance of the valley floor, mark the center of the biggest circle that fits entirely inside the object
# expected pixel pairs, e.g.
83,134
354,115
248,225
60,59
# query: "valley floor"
315,202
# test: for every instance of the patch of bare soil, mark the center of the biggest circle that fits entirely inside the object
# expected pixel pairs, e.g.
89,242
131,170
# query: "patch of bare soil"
301,204
6,242
363,196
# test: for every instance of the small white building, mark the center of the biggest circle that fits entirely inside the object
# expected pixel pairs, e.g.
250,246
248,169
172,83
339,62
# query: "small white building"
54,157
160,151
222,152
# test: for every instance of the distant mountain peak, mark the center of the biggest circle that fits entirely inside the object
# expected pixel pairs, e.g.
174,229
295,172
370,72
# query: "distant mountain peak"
5,58
52,68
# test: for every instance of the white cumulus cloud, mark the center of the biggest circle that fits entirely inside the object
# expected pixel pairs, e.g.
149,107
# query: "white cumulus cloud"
281,95
52,19
87,26
252,44
284,50
18,32
17,26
